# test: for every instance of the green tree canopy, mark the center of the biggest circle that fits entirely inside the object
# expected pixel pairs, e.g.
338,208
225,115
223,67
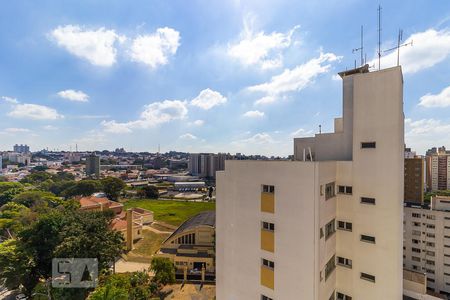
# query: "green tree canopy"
164,270
149,191
112,187
37,198
16,265
82,188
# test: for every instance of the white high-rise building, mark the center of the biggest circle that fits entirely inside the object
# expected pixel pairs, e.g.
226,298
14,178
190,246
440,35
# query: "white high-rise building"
329,224
426,244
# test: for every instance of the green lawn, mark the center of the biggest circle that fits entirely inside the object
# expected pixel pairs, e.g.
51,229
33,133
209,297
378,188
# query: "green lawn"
171,212
146,247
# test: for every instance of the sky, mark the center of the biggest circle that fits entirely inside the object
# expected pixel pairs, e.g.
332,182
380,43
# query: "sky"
209,76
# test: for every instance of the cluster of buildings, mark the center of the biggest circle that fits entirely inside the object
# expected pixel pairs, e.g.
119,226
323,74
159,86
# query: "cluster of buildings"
206,164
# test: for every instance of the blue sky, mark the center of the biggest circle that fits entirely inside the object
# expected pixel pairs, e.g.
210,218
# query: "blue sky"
234,76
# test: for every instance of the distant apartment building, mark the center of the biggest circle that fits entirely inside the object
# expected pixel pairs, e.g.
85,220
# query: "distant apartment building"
21,148
426,242
414,179
329,224
206,164
19,158
72,157
438,169
93,165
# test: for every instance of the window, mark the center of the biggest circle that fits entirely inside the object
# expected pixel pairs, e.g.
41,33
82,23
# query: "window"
345,262
366,200
366,145
345,225
330,266
329,190
340,296
416,250
430,253
321,232
342,189
332,296
430,244
430,226
267,263
367,277
415,241
430,262
415,258
431,217
268,226
367,238
268,189
431,235
416,215
330,229
265,298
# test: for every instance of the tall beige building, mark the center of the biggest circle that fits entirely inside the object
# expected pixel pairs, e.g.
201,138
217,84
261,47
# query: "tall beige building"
329,224
438,170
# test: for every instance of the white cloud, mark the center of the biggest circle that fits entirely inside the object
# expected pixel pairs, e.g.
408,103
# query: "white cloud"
259,48
153,115
72,95
96,46
302,133
197,123
50,127
114,127
439,100
259,138
155,49
254,114
35,112
91,117
9,100
424,133
188,136
208,98
429,48
336,77
295,79
16,130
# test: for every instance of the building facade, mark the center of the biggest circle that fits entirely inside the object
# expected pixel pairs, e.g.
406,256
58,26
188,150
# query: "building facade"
191,246
206,164
21,148
414,180
93,166
426,243
438,169
328,225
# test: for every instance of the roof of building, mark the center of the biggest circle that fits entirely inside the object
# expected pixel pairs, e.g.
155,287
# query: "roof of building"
87,202
206,218
359,70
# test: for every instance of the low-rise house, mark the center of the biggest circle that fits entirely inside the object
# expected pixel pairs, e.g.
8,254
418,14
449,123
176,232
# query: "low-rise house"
133,218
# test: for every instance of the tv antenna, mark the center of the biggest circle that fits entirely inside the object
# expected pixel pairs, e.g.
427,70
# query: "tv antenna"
379,37
361,48
399,45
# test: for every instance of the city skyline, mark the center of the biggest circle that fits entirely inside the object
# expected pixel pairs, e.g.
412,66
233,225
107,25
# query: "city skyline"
216,77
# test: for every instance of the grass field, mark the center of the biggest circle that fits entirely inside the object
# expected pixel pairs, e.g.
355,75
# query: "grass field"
146,247
171,212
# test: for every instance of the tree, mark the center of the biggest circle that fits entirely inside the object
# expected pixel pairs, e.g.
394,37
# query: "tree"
70,233
36,177
149,191
37,198
16,265
112,187
82,188
109,292
164,270
13,218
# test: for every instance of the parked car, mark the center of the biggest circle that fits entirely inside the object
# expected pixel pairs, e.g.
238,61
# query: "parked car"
21,297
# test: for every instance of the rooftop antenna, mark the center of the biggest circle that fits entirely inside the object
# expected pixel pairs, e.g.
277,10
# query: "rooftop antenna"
76,147
320,129
379,37
399,45
361,48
